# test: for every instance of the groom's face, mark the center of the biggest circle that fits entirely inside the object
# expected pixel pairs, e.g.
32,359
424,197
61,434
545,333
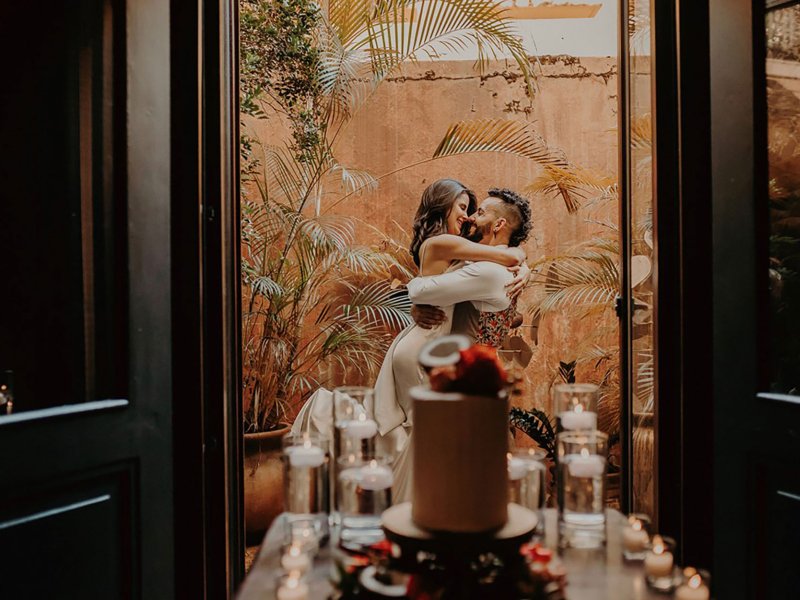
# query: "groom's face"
481,223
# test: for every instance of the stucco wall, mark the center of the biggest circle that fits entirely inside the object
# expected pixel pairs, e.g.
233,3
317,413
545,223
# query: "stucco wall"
574,108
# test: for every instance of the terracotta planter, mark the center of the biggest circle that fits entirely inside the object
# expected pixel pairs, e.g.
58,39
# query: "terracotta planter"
263,481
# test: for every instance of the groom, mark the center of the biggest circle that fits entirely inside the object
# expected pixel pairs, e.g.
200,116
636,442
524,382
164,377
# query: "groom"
503,218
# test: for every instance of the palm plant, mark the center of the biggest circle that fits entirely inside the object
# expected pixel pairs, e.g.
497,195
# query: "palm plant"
315,304
584,281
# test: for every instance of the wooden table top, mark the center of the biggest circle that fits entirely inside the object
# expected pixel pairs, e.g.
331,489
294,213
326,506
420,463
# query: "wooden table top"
600,574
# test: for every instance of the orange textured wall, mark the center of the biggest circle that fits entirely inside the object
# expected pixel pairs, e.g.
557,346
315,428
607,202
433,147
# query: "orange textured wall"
574,108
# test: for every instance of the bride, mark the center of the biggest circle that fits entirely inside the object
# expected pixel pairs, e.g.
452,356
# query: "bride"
446,205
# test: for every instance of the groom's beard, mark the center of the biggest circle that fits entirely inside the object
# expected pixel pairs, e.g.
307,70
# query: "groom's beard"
474,233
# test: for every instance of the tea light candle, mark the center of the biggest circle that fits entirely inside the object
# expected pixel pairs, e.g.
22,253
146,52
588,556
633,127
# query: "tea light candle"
694,588
516,468
584,464
293,588
294,559
634,537
375,477
658,562
305,455
361,428
578,419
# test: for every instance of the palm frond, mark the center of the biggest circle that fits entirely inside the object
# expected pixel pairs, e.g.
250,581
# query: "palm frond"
378,303
401,30
344,74
349,180
536,425
499,135
571,184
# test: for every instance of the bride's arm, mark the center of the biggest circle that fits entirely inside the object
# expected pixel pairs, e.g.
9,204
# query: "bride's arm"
453,247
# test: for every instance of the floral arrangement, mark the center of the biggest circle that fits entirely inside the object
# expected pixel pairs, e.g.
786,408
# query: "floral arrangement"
478,372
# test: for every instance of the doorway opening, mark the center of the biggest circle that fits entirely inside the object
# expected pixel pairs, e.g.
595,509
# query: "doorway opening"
350,110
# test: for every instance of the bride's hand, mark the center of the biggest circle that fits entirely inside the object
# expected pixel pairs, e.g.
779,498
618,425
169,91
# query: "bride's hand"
427,316
522,276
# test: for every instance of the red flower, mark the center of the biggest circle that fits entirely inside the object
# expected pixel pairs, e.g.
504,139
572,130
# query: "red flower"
479,372
442,378
536,553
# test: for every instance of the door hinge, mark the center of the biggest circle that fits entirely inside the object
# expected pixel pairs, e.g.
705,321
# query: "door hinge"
619,307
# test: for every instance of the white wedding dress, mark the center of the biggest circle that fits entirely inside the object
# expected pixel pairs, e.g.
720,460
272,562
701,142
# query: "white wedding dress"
400,371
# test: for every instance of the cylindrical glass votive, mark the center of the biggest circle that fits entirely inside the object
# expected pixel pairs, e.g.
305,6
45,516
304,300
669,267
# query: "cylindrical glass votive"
582,487
696,585
575,406
305,472
305,532
636,537
355,430
659,565
526,478
364,492
292,586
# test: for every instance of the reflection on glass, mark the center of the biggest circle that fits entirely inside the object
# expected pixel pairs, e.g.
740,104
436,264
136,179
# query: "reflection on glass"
641,233
783,106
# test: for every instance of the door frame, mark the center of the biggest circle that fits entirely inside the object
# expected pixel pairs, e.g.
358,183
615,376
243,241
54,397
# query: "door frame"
206,310
681,273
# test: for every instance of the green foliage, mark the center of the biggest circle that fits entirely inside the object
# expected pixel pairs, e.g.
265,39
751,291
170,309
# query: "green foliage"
315,302
279,62
536,425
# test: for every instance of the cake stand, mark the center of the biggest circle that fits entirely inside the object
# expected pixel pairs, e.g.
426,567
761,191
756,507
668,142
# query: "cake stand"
467,565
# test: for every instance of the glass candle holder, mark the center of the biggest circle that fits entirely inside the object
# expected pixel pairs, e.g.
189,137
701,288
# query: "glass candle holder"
292,586
527,474
305,474
695,585
364,492
304,532
582,487
355,431
636,537
575,406
294,558
659,564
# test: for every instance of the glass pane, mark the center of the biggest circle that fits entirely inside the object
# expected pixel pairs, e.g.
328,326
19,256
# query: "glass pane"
641,232
62,262
342,135
783,105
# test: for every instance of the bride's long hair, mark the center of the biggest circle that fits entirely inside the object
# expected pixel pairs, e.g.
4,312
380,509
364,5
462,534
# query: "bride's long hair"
431,218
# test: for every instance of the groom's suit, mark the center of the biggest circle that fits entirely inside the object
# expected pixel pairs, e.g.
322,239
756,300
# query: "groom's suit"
476,287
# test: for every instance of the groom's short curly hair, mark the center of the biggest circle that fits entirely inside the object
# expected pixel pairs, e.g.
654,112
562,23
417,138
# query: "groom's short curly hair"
517,212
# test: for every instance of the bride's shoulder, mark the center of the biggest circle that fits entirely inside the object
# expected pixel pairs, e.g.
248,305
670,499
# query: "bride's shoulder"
443,240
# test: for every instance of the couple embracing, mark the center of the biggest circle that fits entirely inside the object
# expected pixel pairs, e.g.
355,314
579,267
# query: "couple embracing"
467,253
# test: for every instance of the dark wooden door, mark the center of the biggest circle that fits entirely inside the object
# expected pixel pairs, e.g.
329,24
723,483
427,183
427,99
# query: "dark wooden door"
86,456
755,125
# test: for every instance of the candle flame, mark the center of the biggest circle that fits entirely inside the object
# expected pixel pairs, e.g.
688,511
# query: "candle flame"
579,408
294,550
658,545
695,581
584,452
636,525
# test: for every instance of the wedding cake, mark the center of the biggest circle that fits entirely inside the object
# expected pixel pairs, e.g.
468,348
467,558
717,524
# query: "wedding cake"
460,442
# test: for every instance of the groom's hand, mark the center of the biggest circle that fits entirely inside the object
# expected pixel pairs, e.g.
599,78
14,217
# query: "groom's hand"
427,316
522,275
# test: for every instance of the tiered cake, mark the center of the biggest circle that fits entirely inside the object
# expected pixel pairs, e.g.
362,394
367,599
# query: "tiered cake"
460,442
